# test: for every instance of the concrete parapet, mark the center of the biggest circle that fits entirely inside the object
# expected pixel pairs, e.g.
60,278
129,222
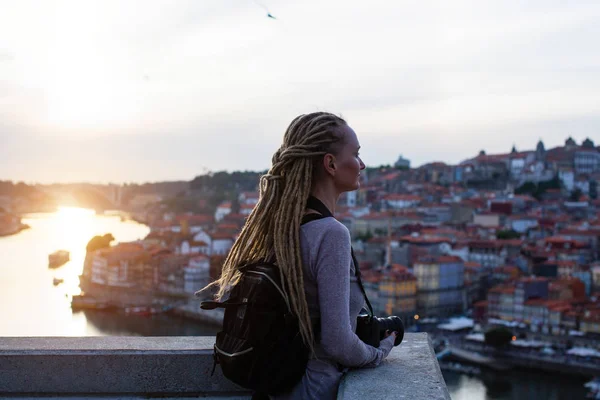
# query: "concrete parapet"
135,367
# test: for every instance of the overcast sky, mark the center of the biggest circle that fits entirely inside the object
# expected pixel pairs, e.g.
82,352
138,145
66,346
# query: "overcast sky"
133,91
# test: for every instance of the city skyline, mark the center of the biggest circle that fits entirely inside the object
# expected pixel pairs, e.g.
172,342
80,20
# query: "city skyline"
151,91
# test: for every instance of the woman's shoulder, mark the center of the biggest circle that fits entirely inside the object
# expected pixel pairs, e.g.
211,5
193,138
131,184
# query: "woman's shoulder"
326,228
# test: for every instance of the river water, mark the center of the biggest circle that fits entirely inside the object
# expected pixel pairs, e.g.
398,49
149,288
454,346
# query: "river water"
30,305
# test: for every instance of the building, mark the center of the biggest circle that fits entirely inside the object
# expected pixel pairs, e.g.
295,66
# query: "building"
221,243
587,161
196,274
397,201
222,210
489,220
402,163
440,285
392,290
489,253
526,289
119,266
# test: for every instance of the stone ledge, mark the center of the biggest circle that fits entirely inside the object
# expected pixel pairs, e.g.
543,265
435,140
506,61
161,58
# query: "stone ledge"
411,371
142,367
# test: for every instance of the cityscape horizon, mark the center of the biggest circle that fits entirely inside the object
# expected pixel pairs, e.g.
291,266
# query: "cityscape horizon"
578,139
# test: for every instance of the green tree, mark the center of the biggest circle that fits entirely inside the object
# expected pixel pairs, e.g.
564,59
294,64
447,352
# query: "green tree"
575,195
508,234
365,236
99,242
538,190
498,337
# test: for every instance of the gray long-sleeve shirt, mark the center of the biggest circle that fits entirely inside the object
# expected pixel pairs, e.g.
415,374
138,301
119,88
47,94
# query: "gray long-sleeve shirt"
333,294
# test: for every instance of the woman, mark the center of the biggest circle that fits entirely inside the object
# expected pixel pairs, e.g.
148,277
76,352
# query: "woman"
319,158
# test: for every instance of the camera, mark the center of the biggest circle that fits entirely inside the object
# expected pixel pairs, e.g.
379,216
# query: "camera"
371,329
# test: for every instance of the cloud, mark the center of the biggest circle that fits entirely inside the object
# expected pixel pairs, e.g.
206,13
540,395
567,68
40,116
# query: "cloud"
431,80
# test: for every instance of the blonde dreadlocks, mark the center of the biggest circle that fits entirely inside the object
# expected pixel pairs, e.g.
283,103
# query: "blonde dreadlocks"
273,227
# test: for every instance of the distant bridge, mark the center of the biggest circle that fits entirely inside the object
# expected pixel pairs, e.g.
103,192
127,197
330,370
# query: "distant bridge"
87,195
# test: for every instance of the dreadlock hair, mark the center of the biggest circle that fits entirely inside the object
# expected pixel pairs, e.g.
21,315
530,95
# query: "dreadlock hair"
273,227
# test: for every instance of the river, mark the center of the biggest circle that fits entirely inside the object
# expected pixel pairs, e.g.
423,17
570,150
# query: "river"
30,305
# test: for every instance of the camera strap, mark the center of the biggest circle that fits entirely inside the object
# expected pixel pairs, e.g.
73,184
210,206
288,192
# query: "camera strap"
317,205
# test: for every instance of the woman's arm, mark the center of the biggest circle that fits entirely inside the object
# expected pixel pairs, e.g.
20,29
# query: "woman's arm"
333,282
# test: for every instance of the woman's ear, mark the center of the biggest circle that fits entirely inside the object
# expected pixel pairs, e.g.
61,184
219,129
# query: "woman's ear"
329,164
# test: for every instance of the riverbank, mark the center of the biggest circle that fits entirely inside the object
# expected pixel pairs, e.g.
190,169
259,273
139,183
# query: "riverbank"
14,230
519,356
189,310
143,302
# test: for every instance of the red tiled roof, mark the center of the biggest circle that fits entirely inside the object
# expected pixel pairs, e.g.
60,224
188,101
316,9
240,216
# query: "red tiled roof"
425,239
402,197
195,219
472,264
221,235
439,260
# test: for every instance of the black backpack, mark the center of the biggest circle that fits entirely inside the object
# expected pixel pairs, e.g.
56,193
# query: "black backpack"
260,346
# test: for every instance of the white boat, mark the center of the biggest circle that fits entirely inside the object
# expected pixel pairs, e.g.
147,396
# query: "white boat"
58,258
593,388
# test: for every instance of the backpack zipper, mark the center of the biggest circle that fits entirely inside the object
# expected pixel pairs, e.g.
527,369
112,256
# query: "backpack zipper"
239,353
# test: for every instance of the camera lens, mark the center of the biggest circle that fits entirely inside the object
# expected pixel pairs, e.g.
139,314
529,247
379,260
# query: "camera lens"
392,324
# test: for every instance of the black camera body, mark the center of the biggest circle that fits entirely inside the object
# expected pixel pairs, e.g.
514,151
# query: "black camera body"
371,329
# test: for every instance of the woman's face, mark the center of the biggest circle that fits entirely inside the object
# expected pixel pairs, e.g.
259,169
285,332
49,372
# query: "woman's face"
347,162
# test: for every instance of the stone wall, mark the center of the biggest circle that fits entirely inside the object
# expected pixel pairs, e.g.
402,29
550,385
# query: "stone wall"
127,367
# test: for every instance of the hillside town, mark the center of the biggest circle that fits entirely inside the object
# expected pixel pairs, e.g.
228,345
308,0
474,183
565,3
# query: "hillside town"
502,238
505,237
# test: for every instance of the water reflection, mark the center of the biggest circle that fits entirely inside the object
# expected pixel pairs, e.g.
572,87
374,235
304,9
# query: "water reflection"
514,385
113,324
30,305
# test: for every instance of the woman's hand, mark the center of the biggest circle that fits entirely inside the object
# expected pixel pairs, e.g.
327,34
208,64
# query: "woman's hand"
388,334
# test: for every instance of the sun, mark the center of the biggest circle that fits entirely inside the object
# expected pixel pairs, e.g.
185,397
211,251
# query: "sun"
72,222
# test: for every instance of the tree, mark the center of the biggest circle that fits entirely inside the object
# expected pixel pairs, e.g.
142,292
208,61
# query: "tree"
508,234
99,242
538,190
364,236
498,337
575,195
235,204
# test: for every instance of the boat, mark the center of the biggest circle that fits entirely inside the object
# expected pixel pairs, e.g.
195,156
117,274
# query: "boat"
593,388
58,258
57,281
84,302
143,310
460,368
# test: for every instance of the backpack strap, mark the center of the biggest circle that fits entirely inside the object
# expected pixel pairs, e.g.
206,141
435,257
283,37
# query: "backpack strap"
311,217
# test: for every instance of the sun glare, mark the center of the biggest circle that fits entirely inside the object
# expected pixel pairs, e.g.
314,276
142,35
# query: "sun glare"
74,225
70,214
